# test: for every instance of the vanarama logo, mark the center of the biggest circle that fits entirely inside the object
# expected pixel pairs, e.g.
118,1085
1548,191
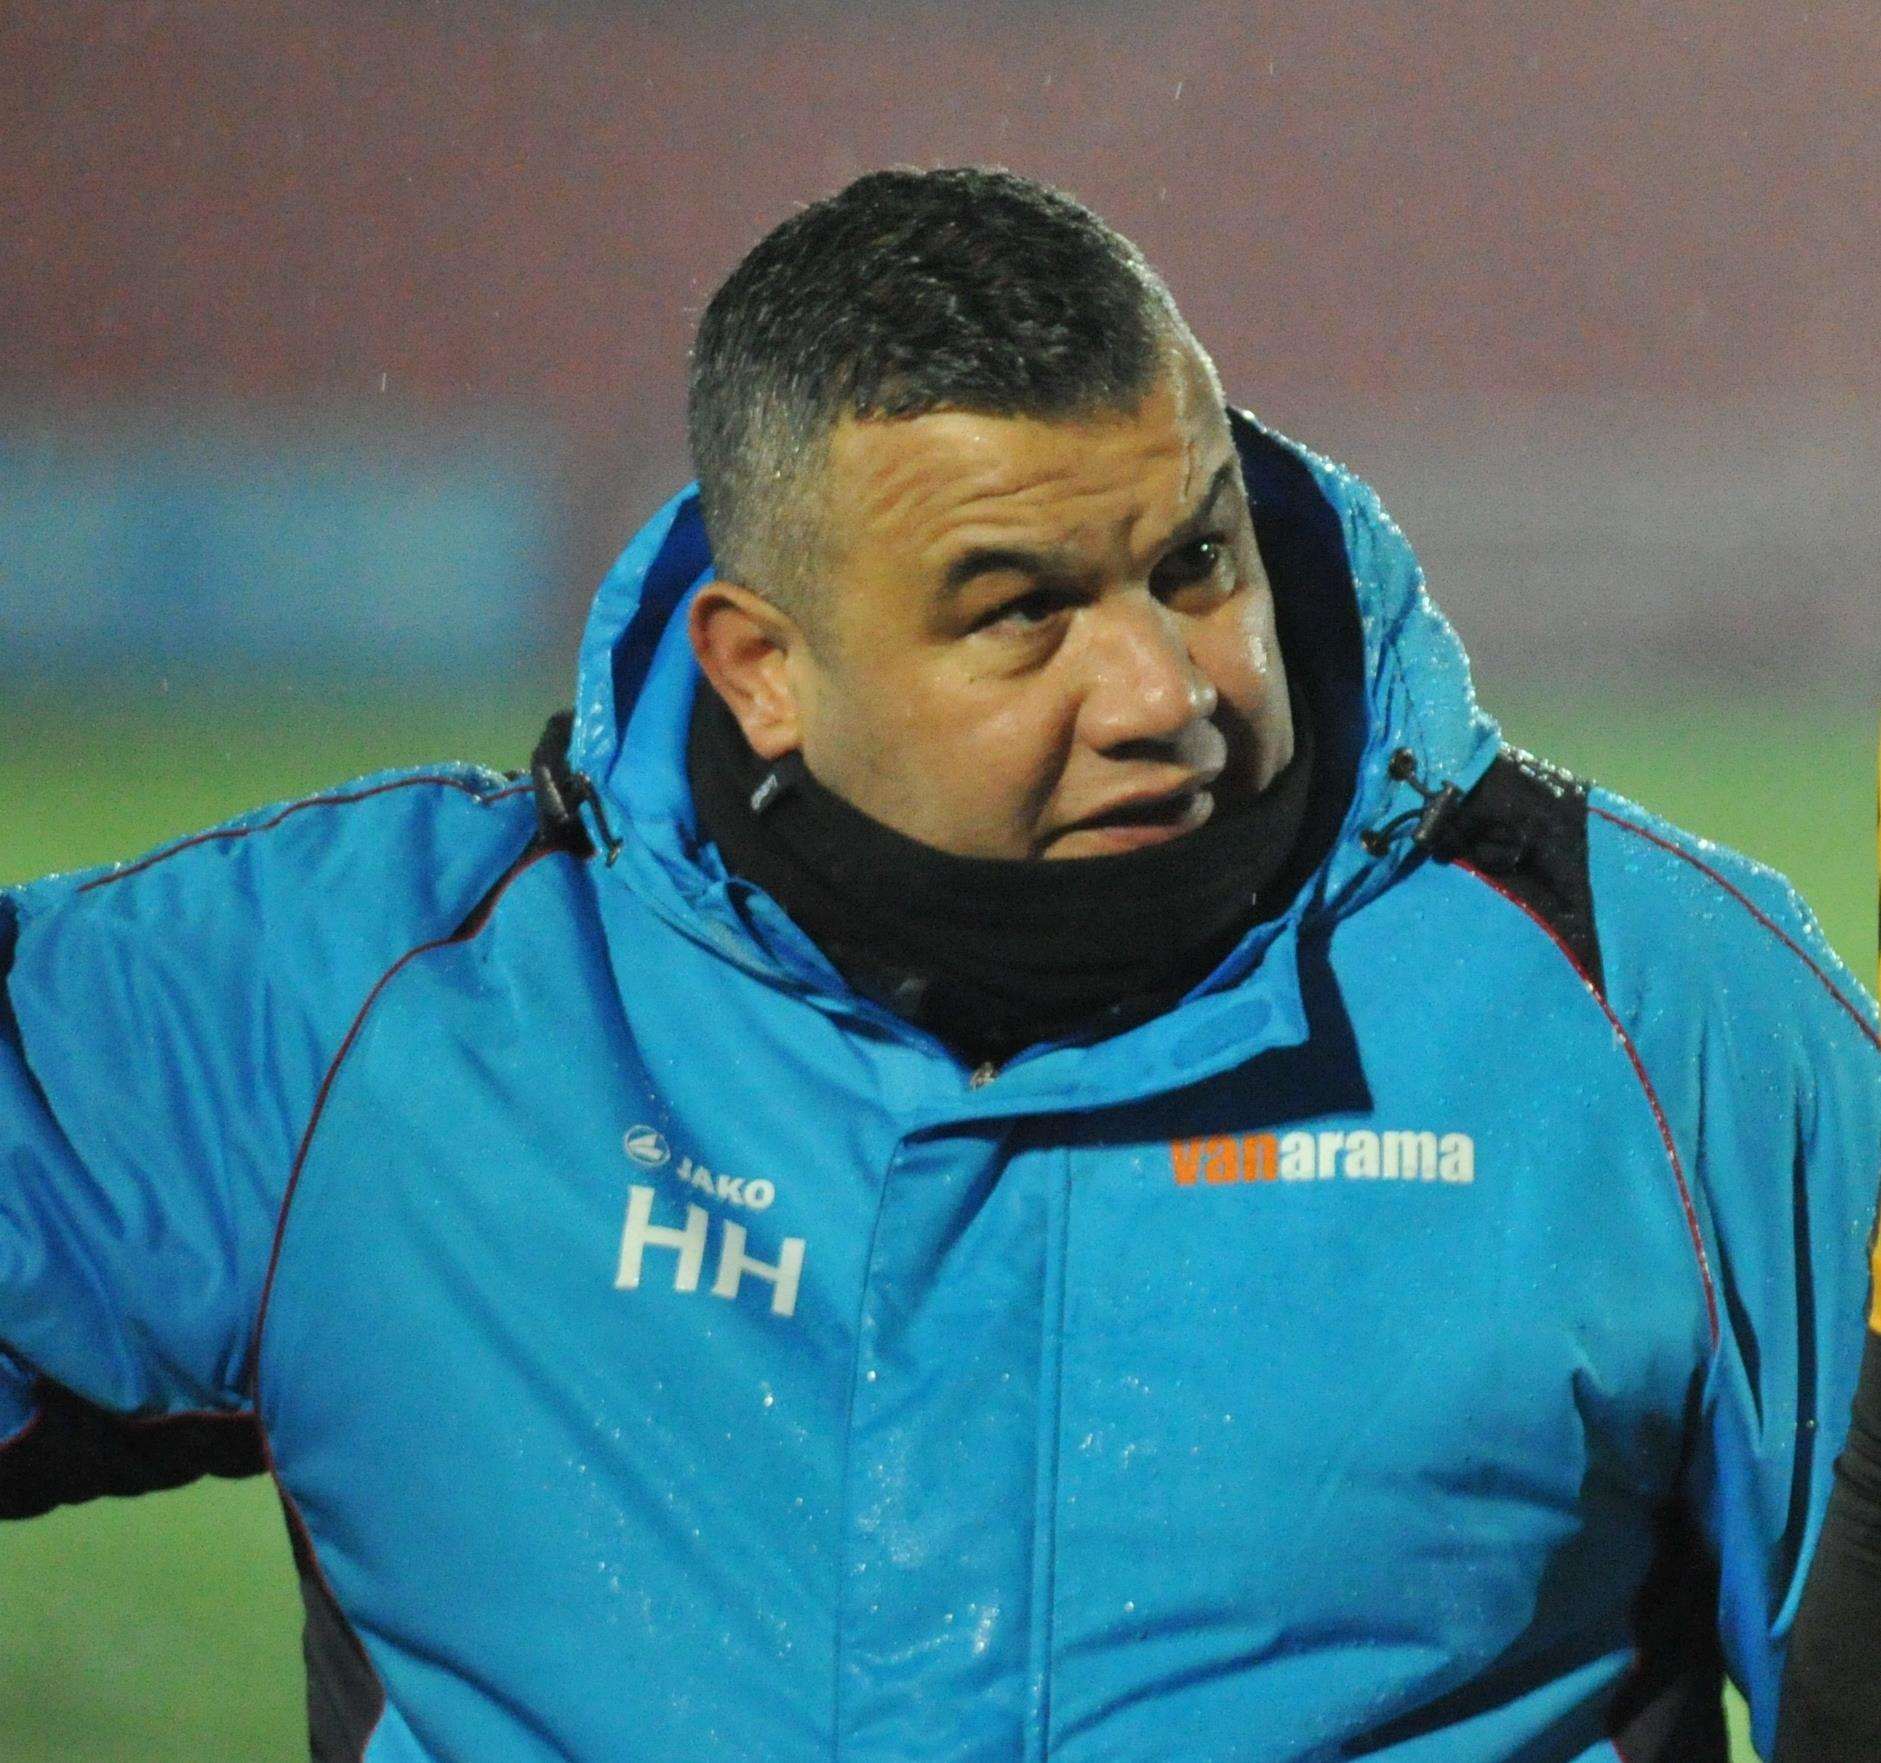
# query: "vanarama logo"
1324,1156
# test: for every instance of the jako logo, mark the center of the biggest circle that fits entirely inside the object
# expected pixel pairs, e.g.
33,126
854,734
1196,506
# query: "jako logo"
735,1189
1323,1156
688,1242
645,1146
648,1147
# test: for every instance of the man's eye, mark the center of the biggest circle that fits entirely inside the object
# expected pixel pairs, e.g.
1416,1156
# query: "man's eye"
1026,612
1196,561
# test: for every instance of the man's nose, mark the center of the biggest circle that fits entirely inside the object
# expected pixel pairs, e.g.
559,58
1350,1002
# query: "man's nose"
1144,683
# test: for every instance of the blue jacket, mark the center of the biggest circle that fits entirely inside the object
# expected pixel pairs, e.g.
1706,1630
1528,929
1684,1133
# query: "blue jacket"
1425,1341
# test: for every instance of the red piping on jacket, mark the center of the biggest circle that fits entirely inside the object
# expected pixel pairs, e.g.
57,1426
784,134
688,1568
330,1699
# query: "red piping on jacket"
242,832
464,933
1750,906
1639,1072
32,1426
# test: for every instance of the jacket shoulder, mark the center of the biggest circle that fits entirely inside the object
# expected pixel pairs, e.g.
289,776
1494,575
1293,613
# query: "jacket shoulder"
170,1021
395,850
238,955
1665,925
196,994
1693,922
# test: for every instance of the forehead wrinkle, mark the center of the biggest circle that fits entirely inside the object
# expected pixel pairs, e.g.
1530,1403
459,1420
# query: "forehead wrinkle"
906,483
1072,495
1076,532
950,480
1058,504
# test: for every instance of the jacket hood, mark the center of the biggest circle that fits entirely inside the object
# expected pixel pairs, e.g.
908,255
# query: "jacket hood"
1382,668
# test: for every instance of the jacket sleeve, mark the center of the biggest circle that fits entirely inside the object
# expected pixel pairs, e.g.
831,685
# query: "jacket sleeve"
1789,1184
1764,1053
18,1409
1791,1222
164,1029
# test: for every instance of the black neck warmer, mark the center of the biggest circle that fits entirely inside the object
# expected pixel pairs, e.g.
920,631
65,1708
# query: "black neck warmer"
992,954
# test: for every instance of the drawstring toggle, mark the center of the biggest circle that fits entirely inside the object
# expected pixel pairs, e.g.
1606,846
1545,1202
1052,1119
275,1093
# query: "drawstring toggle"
1426,820
561,792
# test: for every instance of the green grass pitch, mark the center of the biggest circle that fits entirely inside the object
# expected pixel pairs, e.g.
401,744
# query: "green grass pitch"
166,1629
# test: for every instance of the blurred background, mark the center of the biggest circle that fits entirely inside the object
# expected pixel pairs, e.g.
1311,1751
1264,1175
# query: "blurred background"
342,344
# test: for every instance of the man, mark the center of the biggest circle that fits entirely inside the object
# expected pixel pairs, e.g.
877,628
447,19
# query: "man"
1030,1143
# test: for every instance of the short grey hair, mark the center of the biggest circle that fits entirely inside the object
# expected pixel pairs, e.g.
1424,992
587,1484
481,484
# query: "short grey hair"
968,288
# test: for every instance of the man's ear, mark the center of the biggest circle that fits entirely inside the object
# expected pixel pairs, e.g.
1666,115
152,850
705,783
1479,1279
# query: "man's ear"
745,646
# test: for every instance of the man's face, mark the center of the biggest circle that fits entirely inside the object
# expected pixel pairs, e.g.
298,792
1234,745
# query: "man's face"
1043,638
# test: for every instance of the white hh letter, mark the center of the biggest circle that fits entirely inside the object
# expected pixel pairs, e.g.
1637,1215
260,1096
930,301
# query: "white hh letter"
733,1262
641,1233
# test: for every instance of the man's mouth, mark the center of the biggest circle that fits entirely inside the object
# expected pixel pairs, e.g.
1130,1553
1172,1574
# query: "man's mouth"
1146,820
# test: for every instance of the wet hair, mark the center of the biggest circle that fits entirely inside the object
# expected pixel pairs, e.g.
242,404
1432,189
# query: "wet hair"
967,288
